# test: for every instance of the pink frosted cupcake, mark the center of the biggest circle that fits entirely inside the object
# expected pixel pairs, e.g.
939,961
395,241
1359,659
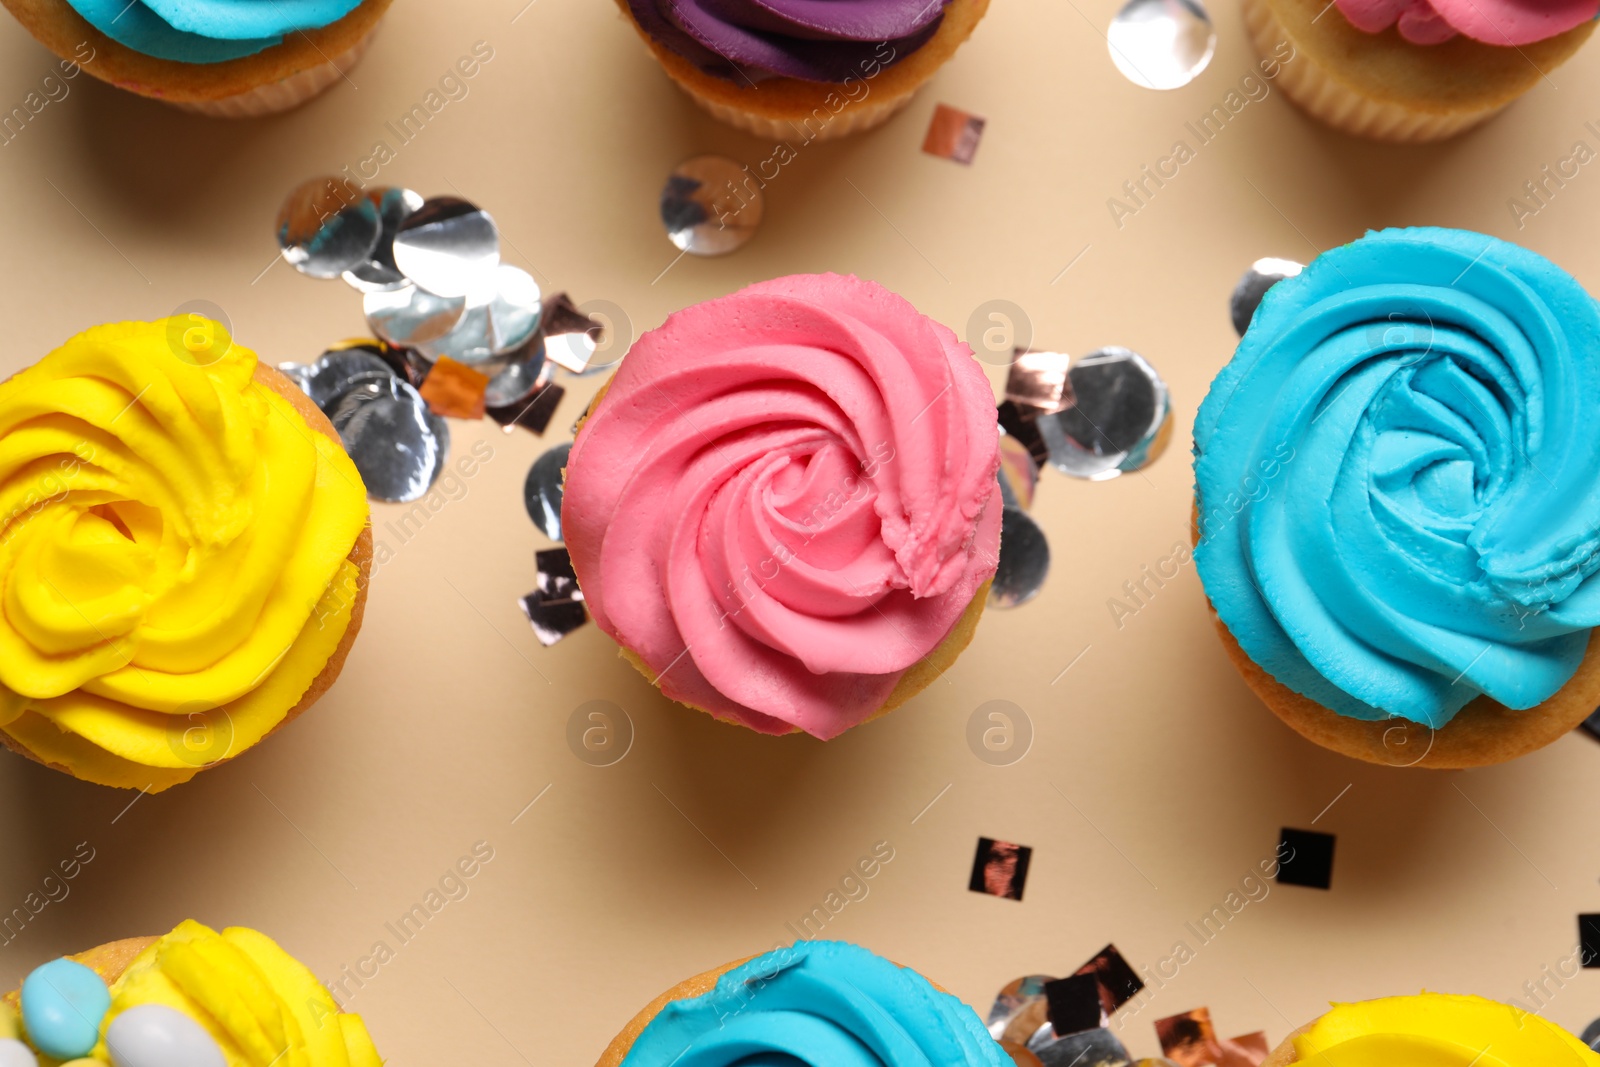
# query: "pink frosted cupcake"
784,505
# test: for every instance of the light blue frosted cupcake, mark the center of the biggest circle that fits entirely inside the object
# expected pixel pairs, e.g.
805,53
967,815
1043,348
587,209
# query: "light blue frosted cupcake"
822,1003
228,58
1398,499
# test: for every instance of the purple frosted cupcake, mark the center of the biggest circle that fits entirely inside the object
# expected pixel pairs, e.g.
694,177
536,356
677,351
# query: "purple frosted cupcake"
779,69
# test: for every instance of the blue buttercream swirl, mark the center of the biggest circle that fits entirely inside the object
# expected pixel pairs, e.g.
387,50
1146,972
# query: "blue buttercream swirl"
207,31
1398,477
823,1003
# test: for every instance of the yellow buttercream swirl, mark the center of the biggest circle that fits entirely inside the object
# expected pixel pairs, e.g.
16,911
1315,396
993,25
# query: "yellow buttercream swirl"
264,1007
1438,1030
173,553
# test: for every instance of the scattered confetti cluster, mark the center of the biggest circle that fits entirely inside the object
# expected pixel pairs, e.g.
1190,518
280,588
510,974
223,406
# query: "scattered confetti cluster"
1043,1021
459,334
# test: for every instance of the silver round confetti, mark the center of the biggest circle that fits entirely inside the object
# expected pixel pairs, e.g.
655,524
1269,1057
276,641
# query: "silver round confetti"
1162,44
520,380
448,247
379,271
1096,1046
336,373
1591,1035
410,316
492,327
1020,1013
299,374
1120,418
1024,560
542,491
1247,295
709,206
397,444
326,226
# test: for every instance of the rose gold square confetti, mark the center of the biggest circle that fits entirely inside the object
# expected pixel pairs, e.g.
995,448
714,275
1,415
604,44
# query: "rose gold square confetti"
1038,380
1251,1050
1188,1039
953,134
454,389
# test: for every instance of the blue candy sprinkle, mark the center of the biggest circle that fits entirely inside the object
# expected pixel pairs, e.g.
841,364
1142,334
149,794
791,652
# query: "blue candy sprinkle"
62,1005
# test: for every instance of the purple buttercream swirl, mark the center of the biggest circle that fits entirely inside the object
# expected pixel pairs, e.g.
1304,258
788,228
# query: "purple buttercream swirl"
813,40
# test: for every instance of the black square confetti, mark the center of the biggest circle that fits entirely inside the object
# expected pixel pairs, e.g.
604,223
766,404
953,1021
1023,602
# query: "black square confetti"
1020,423
1305,857
555,608
557,579
1074,1004
1115,977
534,414
1589,939
1000,868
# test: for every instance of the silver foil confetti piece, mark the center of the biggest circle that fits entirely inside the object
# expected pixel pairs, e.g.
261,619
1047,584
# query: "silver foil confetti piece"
1019,473
1038,380
1024,560
1090,1048
397,444
409,316
326,226
379,271
495,322
1161,44
299,374
570,336
1120,418
1253,285
1021,1012
541,492
1591,1035
448,247
710,205
338,371
1591,726
519,381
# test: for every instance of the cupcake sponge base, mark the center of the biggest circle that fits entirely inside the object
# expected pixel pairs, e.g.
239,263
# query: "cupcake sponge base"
109,961
1482,733
1381,86
281,77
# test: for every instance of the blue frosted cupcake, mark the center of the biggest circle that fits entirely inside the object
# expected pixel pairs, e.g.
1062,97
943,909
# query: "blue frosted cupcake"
225,58
1398,500
823,1003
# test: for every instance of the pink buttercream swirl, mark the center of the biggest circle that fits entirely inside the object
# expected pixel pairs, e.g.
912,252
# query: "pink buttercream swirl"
1499,22
786,499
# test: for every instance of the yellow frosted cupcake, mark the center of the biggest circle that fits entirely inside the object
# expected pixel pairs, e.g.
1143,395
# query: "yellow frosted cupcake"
216,57
193,998
797,70
1436,1029
1414,70
183,553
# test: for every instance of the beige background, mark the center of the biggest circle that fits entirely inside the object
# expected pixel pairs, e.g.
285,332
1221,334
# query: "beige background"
1156,781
